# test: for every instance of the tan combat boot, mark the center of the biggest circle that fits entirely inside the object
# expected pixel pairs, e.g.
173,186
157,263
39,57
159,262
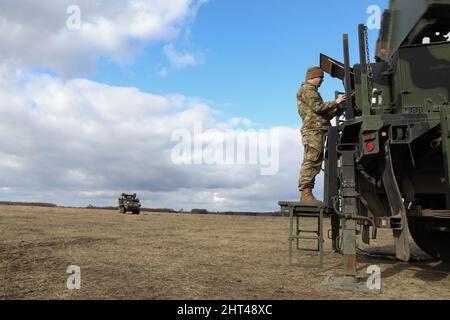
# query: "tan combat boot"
308,198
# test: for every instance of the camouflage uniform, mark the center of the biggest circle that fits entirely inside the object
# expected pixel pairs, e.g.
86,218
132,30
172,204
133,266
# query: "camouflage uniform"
316,116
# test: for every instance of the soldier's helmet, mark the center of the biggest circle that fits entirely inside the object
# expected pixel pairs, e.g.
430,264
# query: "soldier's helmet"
314,72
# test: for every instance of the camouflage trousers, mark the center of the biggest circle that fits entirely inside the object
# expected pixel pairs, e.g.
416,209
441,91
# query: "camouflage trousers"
312,158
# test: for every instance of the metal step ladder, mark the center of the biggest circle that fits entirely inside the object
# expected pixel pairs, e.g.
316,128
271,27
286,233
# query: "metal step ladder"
298,211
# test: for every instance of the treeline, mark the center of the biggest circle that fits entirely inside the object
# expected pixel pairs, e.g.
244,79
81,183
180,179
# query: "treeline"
195,211
163,210
232,213
28,204
153,210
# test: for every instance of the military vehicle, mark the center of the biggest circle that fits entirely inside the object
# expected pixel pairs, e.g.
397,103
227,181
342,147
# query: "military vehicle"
388,157
388,161
129,202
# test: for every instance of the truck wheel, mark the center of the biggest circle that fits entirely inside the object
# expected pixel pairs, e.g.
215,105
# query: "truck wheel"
435,243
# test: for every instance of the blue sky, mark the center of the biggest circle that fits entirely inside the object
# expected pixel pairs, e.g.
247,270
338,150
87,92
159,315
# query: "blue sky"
254,54
93,105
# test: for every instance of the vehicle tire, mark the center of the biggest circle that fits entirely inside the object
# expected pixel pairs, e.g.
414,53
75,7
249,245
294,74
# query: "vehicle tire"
434,243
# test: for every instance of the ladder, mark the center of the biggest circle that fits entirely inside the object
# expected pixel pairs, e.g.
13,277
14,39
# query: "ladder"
298,211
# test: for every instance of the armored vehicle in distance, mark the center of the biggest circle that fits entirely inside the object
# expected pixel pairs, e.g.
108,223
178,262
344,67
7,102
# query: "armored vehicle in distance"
129,202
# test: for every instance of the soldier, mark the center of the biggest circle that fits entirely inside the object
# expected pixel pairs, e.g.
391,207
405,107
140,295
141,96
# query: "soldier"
316,115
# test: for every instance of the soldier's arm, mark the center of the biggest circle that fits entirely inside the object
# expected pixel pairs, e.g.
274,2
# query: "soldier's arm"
331,113
317,104
336,110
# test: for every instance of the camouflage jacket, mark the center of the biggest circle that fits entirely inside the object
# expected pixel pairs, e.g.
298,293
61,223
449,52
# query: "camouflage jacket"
315,113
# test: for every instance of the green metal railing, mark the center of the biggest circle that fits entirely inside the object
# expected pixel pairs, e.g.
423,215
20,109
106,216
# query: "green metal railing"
298,211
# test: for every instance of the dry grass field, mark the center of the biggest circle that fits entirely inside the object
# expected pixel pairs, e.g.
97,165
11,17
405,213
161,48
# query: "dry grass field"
168,256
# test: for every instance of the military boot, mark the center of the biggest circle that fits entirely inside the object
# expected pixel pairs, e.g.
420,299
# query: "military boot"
308,198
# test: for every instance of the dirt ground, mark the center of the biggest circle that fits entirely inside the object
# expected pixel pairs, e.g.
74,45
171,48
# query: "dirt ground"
168,256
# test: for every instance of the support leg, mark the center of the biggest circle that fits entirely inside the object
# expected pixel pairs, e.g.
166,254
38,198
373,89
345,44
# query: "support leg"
349,207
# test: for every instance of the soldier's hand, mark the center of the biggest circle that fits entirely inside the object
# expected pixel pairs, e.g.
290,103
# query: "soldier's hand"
341,100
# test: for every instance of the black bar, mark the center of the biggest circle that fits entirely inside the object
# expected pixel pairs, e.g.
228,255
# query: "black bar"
332,158
362,48
348,84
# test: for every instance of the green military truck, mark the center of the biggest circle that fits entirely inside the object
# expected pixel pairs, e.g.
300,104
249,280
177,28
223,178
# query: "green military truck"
388,162
129,202
387,159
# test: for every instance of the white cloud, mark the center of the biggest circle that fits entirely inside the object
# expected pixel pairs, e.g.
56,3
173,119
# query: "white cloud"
35,34
11,162
78,142
180,60
218,198
237,121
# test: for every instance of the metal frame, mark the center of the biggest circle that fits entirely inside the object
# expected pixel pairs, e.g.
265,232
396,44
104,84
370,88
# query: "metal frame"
296,212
